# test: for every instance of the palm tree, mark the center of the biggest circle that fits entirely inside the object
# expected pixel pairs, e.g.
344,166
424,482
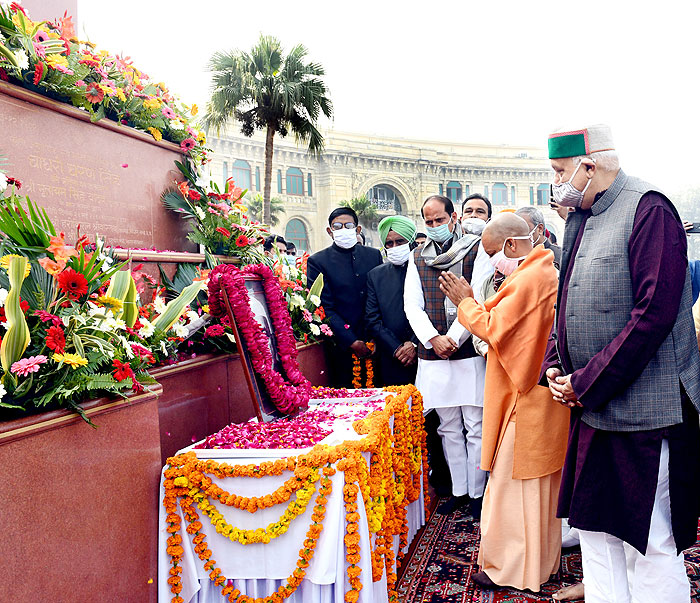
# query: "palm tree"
366,210
255,209
263,89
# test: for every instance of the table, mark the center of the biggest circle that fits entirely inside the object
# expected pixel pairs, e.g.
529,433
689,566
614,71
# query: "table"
259,569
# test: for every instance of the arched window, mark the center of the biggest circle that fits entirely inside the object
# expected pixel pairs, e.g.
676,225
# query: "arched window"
543,194
296,233
384,198
295,181
240,172
454,191
309,188
500,194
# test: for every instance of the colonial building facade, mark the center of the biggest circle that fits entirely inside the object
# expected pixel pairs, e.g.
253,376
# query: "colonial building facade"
395,174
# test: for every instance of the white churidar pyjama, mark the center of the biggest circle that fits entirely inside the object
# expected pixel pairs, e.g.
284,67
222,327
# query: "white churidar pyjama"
616,572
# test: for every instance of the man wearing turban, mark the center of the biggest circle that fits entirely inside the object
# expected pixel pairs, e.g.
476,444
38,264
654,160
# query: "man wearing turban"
386,320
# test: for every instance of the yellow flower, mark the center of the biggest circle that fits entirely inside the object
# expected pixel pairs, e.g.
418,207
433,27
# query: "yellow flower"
120,95
162,86
151,104
239,207
5,263
23,23
73,360
56,59
194,110
182,482
111,303
205,308
201,138
155,132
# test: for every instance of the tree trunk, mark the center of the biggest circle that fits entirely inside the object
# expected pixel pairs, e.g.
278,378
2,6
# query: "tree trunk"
268,176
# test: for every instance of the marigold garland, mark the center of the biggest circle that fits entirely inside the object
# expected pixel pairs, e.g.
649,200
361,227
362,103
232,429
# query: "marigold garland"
388,484
357,369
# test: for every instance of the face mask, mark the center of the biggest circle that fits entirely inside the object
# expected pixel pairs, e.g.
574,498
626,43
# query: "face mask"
345,238
566,194
439,234
473,225
398,255
505,265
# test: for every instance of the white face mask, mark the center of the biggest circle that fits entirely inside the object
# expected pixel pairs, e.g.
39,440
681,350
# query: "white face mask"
505,265
399,254
473,225
566,194
345,238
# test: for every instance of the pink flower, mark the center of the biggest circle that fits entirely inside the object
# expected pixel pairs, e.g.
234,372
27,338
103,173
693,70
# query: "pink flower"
48,317
28,365
168,112
347,326
188,144
214,331
125,165
307,315
326,330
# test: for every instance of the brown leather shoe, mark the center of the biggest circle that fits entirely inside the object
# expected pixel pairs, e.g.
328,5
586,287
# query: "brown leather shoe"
483,581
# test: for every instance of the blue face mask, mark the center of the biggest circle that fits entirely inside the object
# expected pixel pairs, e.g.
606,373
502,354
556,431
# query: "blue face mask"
439,234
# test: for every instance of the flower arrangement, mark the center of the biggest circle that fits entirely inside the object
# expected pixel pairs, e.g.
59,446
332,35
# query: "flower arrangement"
309,321
75,332
49,58
287,394
219,220
394,437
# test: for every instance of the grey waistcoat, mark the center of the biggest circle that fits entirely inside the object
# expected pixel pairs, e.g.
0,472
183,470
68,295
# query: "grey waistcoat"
599,304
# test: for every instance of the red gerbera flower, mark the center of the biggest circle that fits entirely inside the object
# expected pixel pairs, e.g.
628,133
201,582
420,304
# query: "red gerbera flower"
16,182
38,72
56,339
223,231
194,195
94,93
242,241
72,283
122,370
188,144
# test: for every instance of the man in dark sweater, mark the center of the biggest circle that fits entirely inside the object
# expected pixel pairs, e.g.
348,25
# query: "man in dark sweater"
344,266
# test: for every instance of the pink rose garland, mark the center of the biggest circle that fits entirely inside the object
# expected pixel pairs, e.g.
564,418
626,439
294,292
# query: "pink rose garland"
287,395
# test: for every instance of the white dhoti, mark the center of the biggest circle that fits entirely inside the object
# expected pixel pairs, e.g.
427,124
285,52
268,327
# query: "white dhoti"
616,572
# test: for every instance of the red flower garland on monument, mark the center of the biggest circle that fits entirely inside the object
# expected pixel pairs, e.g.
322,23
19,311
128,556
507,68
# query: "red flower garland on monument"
295,391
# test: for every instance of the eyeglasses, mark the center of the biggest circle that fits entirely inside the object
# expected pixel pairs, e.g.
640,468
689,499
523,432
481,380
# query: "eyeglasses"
341,225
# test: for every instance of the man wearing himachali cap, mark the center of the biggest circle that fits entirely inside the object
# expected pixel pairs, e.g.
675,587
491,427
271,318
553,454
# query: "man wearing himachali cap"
624,358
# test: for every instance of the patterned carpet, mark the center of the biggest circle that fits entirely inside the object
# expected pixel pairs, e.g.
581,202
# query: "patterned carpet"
445,556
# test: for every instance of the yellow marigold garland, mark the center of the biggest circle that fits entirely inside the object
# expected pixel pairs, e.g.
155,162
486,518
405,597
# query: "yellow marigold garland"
393,479
294,509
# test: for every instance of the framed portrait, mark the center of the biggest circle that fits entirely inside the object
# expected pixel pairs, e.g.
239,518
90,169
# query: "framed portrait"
258,304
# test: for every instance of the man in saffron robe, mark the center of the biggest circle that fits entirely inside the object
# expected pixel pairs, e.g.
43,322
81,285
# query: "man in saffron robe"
524,429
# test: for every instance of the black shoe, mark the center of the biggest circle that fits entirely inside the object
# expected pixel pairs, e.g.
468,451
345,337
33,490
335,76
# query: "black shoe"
475,507
454,503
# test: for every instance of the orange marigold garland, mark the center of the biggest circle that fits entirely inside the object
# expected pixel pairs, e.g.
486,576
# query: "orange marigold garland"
388,485
357,370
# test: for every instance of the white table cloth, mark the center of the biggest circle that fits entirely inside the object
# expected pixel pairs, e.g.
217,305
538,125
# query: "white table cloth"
259,569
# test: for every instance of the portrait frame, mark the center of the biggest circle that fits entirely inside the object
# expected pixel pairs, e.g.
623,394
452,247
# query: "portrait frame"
265,409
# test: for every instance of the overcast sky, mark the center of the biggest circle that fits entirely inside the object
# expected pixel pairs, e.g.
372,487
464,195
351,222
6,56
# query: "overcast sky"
503,72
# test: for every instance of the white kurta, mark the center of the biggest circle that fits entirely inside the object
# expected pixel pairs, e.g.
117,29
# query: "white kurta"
446,383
